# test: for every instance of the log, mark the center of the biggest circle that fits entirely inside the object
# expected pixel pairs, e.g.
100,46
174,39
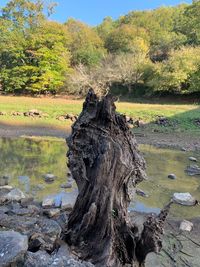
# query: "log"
104,161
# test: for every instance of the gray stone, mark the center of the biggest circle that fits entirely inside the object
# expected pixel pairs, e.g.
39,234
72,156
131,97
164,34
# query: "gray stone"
26,201
172,176
152,260
15,195
8,187
52,212
38,259
60,259
49,177
67,185
141,193
30,225
13,247
193,170
4,209
186,226
184,199
68,201
48,201
63,200
183,149
23,211
9,194
192,159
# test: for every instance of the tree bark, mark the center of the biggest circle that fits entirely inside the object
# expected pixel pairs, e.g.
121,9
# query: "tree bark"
104,159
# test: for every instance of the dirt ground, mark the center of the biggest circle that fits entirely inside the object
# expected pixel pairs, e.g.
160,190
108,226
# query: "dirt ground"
171,140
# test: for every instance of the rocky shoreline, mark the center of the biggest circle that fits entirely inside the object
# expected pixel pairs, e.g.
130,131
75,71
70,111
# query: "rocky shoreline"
31,235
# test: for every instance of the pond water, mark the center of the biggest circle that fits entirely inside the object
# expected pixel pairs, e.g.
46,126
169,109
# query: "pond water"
26,160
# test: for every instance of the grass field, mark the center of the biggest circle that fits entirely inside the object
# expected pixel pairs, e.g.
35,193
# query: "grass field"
182,117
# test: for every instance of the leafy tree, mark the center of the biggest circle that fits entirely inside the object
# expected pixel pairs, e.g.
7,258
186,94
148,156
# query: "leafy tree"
105,28
127,39
189,24
86,46
159,24
175,74
34,54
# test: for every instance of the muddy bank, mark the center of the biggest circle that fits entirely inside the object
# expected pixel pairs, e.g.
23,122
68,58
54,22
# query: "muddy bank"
180,141
8,130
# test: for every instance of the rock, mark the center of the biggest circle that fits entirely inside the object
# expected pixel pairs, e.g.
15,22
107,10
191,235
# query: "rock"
7,187
183,149
4,209
68,201
17,113
197,122
48,201
192,159
9,194
141,193
15,195
4,180
35,112
37,259
71,117
193,170
49,177
34,208
139,123
152,260
129,119
26,201
13,247
172,176
39,230
63,200
23,211
184,199
67,185
61,118
60,259
186,226
52,212
69,262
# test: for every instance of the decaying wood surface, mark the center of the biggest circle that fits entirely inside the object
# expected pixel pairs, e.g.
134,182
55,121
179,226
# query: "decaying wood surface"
104,160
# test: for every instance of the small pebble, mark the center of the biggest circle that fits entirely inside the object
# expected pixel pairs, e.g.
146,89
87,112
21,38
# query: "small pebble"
172,176
193,159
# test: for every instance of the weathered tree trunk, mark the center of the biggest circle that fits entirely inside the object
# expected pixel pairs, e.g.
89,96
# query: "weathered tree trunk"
104,159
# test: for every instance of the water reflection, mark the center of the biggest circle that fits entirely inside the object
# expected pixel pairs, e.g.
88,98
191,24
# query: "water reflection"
26,161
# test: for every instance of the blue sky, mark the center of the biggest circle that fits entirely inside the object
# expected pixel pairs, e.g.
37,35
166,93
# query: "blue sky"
93,11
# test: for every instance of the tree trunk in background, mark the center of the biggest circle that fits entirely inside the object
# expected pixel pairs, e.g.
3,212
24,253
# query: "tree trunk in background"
104,160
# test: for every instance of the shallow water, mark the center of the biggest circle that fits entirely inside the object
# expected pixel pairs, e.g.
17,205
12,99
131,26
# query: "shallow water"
26,161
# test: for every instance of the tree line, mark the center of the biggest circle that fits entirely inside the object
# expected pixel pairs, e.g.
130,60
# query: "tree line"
145,52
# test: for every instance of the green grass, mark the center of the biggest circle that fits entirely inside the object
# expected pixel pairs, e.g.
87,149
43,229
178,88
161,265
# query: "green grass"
180,116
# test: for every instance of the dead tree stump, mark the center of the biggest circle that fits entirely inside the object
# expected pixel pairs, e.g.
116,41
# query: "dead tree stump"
104,159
